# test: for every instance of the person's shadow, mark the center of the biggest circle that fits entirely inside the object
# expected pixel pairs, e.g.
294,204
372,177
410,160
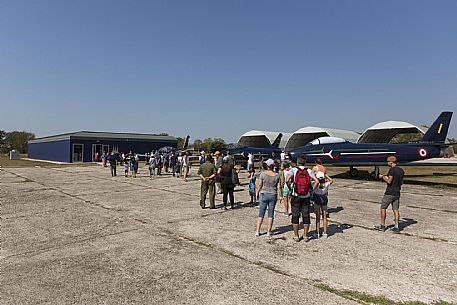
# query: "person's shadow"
335,210
332,229
403,223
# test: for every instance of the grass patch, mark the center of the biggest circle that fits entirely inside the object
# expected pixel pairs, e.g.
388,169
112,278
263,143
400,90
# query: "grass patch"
365,298
6,162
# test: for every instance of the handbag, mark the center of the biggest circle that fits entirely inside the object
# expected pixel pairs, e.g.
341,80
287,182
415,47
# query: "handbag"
235,179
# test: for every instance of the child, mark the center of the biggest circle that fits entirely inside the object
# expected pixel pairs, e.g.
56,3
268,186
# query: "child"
252,177
126,168
321,200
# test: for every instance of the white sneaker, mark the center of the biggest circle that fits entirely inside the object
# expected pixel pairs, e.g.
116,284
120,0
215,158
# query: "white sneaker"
269,234
257,233
325,235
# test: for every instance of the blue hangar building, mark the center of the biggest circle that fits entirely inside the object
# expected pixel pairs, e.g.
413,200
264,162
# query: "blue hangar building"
84,146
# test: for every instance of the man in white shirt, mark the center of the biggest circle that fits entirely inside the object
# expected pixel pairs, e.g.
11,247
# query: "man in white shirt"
250,162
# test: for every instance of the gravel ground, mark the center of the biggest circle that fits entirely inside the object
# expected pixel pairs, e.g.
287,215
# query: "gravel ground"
78,236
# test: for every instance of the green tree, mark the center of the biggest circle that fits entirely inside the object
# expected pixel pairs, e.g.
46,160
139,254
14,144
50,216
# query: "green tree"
3,148
211,145
179,142
163,134
18,140
197,144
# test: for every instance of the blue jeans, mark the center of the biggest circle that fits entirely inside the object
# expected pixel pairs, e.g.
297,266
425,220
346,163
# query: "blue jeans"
267,199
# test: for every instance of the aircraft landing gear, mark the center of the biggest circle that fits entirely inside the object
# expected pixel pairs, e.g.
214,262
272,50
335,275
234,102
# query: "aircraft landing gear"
375,173
353,172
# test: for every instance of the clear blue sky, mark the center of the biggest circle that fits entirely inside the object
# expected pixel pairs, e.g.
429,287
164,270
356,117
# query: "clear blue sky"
220,68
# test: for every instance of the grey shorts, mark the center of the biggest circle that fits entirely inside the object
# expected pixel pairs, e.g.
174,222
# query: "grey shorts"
390,199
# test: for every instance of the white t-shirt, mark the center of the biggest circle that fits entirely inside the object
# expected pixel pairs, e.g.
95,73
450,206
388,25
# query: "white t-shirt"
322,191
250,158
283,156
292,172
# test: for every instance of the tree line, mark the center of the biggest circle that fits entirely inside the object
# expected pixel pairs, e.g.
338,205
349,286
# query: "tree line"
17,140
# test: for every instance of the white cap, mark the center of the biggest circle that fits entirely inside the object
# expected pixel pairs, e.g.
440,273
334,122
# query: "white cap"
269,162
320,175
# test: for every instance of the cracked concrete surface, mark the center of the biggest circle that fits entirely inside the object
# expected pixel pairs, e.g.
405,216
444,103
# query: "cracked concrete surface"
78,236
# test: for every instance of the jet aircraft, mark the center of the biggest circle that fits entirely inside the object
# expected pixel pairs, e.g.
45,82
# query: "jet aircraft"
338,151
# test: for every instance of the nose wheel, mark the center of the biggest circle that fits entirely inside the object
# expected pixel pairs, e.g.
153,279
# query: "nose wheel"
353,172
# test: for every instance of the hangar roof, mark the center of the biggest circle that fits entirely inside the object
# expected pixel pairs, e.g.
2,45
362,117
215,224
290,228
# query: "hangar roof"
305,135
384,132
103,135
259,138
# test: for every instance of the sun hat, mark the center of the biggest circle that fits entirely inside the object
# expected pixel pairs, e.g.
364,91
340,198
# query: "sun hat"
269,162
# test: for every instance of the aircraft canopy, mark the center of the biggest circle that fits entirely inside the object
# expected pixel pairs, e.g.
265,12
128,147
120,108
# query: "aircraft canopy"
327,140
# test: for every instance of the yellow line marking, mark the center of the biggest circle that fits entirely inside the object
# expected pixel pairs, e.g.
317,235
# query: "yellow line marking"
439,129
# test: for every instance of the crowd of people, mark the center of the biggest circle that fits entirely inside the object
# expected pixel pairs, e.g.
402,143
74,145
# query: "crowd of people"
300,190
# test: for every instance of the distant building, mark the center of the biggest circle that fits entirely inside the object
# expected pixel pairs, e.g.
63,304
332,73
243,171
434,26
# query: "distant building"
84,146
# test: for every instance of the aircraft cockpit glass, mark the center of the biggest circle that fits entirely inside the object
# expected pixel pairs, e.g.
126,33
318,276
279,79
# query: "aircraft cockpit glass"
327,140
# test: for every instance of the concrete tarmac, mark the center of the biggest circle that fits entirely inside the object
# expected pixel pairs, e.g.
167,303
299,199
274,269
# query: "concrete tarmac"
76,235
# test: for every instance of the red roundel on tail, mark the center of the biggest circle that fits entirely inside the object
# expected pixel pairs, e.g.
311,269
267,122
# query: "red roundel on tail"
422,152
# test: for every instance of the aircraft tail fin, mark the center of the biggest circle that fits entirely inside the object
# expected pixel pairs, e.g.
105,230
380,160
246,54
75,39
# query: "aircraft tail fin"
437,133
186,144
277,141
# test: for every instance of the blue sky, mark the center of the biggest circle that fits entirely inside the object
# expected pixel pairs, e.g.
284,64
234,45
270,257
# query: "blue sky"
220,68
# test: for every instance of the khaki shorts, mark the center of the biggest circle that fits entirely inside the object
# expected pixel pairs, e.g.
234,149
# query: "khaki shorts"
390,199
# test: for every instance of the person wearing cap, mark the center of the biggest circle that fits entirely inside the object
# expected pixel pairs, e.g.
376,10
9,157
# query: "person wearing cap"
318,166
394,180
267,194
225,174
231,158
207,172
320,197
202,158
300,204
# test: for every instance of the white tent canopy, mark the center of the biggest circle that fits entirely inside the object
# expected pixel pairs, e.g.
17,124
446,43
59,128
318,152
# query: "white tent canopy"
258,138
384,132
305,135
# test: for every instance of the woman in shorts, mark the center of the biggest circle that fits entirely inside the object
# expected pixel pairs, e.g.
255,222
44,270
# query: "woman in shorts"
321,200
268,190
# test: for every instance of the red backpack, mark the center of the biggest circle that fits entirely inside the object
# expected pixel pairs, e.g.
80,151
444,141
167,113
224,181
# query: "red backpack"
302,182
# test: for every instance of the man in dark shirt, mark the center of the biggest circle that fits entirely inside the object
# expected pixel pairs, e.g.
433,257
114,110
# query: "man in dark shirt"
207,171
113,163
394,180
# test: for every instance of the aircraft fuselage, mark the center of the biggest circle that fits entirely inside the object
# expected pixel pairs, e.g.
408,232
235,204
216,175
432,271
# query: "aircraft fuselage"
352,154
